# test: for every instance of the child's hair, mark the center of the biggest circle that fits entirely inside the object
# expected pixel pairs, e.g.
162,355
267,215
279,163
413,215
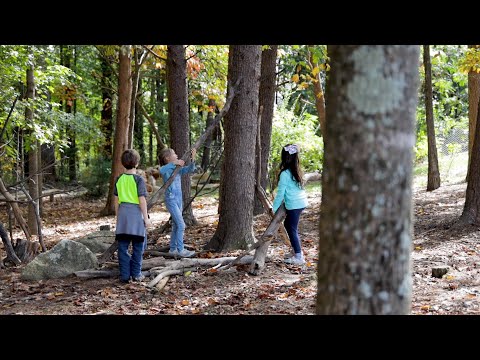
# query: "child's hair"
291,162
163,156
130,158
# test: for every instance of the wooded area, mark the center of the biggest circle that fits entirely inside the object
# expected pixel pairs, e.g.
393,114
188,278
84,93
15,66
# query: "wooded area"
388,135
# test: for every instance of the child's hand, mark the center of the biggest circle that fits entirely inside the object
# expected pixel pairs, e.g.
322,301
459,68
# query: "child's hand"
180,162
147,222
194,153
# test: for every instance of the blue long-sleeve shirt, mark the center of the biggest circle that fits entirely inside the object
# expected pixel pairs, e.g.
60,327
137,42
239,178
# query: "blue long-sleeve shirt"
289,190
175,187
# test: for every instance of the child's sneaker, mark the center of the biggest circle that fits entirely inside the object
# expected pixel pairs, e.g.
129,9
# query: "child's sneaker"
173,253
289,255
294,260
139,278
186,253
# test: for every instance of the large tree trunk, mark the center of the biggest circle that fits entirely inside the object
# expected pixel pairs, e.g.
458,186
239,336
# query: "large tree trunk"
106,122
366,208
237,189
178,117
471,209
32,157
266,101
433,172
121,128
473,98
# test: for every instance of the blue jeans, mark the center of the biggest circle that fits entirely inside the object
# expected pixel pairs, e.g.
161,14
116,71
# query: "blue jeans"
130,266
175,207
291,225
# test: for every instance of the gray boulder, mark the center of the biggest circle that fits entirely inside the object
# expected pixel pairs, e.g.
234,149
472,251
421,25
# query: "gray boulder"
98,241
62,260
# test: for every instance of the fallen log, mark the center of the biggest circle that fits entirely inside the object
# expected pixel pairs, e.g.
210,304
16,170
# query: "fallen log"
181,266
258,263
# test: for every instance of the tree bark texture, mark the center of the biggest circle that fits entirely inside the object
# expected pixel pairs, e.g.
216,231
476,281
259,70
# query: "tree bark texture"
32,156
106,122
366,209
209,139
266,99
237,185
121,128
178,117
473,99
433,171
8,247
471,209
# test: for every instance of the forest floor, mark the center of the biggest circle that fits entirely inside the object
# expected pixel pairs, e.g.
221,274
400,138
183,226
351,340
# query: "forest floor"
279,289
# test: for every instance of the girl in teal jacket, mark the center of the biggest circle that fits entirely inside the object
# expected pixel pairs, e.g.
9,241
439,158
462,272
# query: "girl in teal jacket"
290,190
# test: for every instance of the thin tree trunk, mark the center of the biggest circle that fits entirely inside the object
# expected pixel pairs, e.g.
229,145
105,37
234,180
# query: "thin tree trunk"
69,101
237,185
178,117
318,93
153,161
138,57
266,99
121,128
209,140
40,179
8,247
139,144
106,122
159,109
366,209
32,155
433,171
16,210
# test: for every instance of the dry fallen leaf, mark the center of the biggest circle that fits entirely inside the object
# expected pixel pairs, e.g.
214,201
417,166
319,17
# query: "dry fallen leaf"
185,302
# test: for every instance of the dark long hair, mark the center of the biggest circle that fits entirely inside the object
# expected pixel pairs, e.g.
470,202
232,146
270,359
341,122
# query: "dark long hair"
292,163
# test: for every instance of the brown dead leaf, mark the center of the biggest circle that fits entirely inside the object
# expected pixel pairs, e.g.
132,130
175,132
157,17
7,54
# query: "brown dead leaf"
471,296
425,307
185,302
60,293
195,311
212,301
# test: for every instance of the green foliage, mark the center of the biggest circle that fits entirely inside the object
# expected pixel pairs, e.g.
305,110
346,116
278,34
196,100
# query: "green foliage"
450,98
471,60
96,177
297,74
301,130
